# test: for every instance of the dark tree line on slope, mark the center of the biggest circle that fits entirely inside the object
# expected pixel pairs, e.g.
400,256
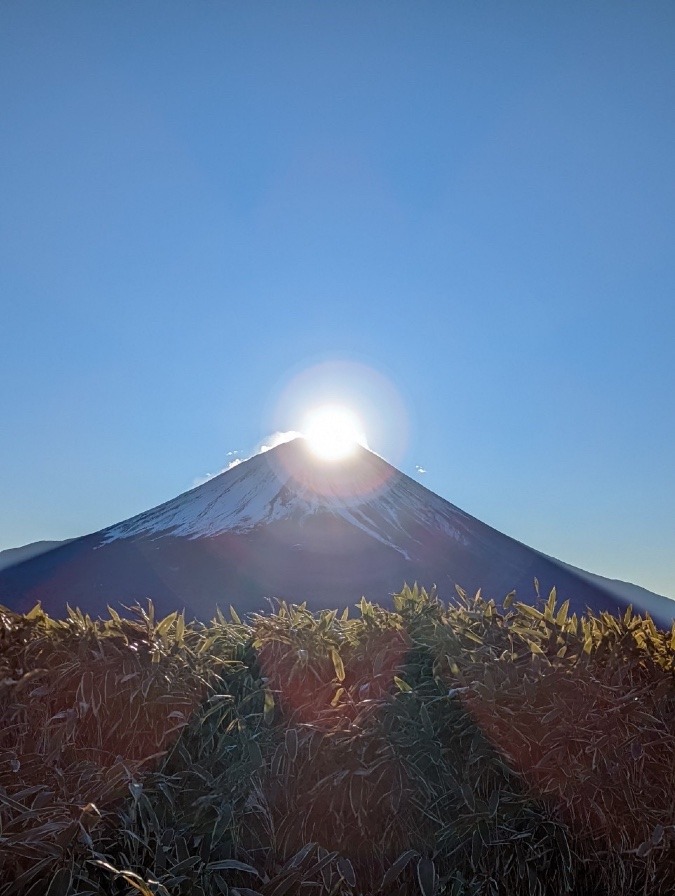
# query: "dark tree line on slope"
431,749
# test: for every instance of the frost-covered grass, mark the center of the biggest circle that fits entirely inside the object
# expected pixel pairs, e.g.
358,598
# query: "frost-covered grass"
423,749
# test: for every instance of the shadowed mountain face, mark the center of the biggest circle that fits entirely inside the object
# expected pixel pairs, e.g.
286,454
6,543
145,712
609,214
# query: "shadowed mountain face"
284,524
12,556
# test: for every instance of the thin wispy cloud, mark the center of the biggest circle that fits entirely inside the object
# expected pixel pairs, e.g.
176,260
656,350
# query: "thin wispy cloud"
277,438
200,480
420,469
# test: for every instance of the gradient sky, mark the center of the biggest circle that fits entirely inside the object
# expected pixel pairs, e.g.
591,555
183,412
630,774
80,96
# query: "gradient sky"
457,216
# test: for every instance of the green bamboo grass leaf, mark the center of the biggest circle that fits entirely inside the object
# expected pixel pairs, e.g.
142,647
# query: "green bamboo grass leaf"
532,880
186,865
527,610
338,665
219,617
564,847
233,865
268,707
36,613
105,865
292,743
300,856
426,876
468,794
60,883
398,866
561,617
493,803
323,861
427,724
457,887
114,615
234,615
657,835
643,849
255,754
86,689
32,878
346,871
163,627
130,877
476,845
180,629
283,885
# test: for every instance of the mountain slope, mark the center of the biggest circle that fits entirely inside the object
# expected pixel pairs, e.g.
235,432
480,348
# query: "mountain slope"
12,556
284,524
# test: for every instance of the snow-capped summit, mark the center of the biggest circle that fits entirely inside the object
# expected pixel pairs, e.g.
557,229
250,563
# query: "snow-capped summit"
289,483
287,524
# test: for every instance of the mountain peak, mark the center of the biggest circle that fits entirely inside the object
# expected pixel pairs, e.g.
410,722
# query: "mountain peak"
288,481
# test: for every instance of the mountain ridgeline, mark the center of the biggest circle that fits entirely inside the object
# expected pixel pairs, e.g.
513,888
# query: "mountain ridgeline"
287,525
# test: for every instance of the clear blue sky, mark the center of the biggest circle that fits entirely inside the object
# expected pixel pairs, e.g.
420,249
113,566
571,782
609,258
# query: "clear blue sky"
468,207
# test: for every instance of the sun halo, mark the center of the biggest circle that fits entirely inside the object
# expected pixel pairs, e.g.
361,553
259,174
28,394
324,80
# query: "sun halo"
333,432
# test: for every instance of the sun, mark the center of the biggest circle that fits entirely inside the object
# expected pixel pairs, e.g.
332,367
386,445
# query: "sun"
333,432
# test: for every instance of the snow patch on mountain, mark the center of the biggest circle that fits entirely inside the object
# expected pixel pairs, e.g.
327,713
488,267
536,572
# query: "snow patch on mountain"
257,493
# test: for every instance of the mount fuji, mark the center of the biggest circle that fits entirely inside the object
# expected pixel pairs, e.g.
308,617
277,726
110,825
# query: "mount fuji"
285,524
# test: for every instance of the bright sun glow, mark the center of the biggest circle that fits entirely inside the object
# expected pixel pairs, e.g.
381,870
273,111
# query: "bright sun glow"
333,432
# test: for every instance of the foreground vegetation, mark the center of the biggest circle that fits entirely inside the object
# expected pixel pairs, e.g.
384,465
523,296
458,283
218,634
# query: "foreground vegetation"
428,749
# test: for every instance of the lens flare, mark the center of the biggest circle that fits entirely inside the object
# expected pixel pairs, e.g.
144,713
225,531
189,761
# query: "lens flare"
333,432
369,395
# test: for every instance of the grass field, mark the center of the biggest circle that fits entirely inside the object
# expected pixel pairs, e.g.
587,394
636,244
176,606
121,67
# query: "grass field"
425,749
